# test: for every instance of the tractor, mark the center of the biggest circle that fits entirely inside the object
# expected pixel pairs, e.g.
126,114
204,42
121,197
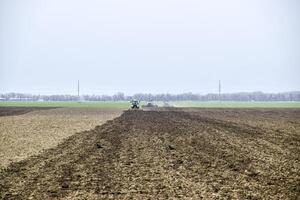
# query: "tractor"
135,104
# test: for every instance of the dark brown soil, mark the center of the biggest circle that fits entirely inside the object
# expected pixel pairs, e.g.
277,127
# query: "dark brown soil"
9,111
208,154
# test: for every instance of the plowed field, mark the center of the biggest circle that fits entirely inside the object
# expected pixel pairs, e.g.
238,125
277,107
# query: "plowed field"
208,154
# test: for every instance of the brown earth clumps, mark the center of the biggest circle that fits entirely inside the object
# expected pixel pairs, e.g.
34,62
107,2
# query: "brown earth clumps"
208,154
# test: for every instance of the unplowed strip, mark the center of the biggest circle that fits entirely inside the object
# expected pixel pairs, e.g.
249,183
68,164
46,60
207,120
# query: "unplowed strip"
160,155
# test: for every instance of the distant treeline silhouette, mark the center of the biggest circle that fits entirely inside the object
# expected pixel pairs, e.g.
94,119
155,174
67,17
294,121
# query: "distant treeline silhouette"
241,96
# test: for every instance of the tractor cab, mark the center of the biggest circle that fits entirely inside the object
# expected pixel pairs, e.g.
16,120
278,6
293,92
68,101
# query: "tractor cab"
135,104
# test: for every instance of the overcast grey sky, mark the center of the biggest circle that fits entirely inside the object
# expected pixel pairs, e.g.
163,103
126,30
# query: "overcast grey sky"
155,46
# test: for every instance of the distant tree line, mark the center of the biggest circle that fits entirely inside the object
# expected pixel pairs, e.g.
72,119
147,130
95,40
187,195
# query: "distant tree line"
241,96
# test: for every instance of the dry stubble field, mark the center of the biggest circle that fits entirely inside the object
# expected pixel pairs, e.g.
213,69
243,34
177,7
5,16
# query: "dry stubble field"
27,131
169,153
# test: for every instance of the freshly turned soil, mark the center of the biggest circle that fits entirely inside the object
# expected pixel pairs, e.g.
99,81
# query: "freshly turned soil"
170,153
10,110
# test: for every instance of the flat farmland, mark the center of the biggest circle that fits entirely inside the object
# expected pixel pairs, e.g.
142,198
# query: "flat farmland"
26,131
126,104
169,153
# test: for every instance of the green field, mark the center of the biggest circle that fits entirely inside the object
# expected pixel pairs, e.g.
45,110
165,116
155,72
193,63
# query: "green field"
126,105
212,104
71,104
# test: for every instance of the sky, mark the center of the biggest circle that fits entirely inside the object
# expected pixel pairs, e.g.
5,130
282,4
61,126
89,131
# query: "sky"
157,46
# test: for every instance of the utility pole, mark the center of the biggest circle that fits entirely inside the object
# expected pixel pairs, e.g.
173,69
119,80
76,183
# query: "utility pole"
219,90
78,91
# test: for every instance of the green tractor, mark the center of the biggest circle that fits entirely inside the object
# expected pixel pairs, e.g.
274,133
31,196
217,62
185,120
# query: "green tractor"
135,104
